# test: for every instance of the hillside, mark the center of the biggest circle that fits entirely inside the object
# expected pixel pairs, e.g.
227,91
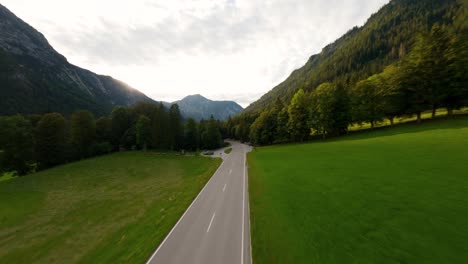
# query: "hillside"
386,37
34,78
199,107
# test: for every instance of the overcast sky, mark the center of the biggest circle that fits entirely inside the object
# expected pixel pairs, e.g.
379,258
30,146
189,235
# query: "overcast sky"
222,49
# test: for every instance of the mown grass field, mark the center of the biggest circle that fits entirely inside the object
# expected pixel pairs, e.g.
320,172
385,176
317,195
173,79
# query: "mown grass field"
228,150
396,195
111,209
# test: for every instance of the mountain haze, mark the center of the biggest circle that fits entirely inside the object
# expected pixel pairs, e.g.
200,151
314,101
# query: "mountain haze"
199,107
34,78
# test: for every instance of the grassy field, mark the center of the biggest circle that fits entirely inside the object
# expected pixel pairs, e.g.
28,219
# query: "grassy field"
396,195
111,209
440,113
7,176
228,150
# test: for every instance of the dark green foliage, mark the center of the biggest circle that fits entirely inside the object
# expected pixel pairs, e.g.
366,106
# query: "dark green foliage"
432,76
34,119
129,139
297,124
210,134
144,126
242,130
83,133
263,130
102,148
143,131
121,122
282,133
389,96
143,109
103,129
176,128
191,135
329,113
159,126
16,145
51,140
366,101
410,57
458,58
367,50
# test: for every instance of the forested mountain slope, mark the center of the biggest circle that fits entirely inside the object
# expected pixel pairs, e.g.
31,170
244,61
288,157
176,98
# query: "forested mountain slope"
385,38
199,107
34,78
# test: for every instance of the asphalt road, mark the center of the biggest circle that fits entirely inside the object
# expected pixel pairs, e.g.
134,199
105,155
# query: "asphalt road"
215,228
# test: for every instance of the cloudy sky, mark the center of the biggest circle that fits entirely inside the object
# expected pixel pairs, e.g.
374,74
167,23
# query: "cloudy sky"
222,49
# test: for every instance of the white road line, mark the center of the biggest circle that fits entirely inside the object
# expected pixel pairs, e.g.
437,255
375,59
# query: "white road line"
230,171
180,219
243,212
224,188
209,226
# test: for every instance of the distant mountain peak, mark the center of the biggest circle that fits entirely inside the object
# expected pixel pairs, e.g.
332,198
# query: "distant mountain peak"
199,107
197,97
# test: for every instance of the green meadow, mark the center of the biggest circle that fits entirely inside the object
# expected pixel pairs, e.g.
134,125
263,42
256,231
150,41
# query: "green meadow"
110,209
390,195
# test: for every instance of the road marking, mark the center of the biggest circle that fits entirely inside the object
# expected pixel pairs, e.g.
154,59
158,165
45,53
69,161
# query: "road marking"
224,188
209,226
180,219
230,171
243,212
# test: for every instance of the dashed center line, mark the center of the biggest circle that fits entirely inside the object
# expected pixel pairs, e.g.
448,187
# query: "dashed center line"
209,226
224,188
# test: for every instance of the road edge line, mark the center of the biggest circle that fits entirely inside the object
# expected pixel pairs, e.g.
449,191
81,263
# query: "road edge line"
248,208
243,212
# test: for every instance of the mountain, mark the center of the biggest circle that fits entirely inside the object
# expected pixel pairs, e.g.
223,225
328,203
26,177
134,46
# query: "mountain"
363,51
34,78
199,107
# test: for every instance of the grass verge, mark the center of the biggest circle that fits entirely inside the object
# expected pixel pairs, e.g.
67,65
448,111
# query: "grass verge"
111,209
396,195
228,150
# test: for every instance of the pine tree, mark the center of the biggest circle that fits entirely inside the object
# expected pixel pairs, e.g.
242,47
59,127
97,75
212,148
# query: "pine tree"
50,137
17,143
143,132
282,133
191,135
83,133
176,128
297,124
121,122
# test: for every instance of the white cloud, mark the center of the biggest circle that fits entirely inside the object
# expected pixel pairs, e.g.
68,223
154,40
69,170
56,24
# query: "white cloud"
235,49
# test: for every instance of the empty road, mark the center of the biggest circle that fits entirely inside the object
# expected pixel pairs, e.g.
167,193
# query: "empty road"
215,228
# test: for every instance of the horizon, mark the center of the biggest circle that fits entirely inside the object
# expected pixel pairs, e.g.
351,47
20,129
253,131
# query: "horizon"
204,42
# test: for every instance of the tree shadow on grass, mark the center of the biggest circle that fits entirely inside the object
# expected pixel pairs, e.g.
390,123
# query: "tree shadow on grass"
440,123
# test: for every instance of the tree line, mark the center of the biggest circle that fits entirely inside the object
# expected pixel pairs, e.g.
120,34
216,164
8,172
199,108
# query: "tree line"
433,75
386,38
35,142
